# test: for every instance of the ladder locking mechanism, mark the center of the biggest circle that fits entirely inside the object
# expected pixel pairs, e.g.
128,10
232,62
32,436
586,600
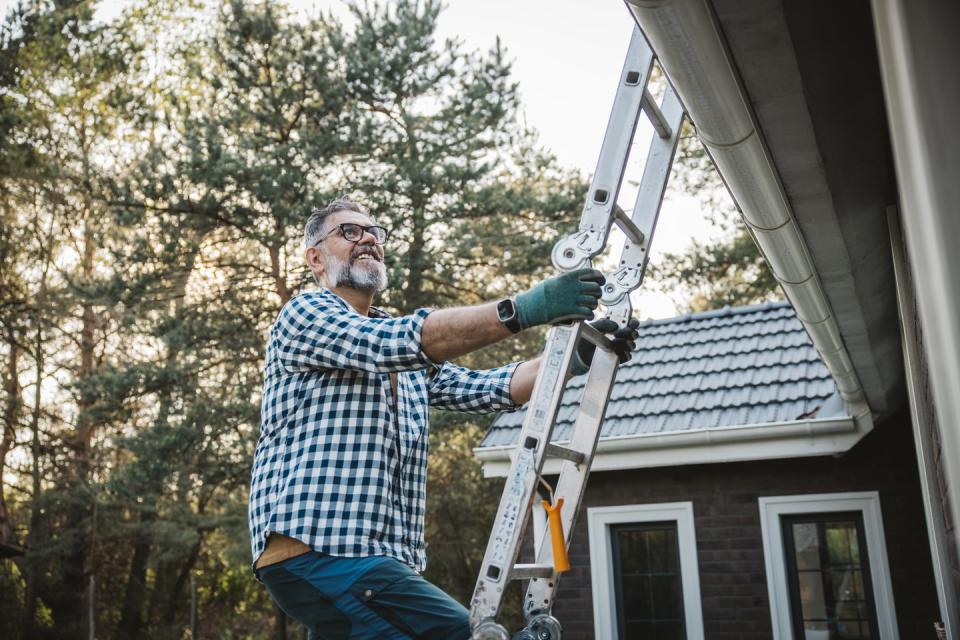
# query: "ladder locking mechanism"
575,250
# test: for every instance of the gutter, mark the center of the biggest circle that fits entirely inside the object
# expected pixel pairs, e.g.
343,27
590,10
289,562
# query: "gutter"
815,436
687,41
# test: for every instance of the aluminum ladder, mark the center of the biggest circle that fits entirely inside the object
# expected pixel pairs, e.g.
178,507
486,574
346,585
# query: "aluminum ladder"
572,252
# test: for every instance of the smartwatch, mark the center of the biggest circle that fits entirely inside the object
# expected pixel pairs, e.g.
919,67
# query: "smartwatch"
507,314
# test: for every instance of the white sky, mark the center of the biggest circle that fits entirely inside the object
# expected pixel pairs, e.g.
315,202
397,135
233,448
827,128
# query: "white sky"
567,56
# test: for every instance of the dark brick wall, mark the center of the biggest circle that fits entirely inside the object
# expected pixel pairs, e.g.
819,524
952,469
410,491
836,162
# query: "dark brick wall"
727,518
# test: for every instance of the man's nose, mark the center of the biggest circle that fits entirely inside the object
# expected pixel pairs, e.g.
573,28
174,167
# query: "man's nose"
367,237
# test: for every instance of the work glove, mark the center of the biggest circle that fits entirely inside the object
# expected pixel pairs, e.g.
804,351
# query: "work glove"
624,341
569,296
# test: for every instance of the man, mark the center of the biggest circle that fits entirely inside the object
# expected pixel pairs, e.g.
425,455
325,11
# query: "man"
338,486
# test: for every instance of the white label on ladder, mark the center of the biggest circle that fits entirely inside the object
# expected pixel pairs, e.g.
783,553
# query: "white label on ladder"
513,499
551,371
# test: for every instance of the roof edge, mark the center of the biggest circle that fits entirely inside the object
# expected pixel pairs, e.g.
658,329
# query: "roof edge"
793,439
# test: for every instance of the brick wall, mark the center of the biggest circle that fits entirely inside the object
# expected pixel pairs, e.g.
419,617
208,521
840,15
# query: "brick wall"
727,519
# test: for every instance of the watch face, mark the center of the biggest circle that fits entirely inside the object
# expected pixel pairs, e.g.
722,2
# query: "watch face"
505,310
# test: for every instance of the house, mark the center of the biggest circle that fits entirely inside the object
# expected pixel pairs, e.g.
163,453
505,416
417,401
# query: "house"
833,126
721,422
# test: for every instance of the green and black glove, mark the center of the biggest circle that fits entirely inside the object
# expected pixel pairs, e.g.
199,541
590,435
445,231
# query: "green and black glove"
624,341
569,296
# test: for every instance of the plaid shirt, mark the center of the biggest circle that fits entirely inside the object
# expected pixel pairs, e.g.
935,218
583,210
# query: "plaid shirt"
341,464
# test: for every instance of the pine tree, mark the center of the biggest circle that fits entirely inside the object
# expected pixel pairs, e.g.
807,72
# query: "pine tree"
442,160
155,215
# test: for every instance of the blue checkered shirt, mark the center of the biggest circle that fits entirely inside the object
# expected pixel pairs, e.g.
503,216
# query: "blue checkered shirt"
341,464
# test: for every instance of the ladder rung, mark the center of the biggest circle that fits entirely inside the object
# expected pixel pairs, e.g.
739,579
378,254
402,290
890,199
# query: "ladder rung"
527,571
592,335
627,225
657,119
557,451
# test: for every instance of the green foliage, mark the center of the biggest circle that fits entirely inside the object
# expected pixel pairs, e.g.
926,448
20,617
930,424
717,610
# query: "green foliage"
154,178
729,271
443,161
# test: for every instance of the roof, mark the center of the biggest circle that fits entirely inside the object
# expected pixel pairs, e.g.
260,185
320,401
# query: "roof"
725,368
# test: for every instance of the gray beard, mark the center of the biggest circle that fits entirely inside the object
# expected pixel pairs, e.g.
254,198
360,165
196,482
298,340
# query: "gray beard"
355,275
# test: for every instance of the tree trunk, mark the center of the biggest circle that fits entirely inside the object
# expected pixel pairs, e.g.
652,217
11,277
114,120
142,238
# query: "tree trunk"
415,296
182,577
11,415
74,588
35,534
277,271
131,619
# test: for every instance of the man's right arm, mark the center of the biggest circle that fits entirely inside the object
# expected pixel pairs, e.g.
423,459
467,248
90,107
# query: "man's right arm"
448,333
309,334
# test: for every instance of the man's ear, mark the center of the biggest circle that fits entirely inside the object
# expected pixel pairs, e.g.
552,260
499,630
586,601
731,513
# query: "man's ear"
315,261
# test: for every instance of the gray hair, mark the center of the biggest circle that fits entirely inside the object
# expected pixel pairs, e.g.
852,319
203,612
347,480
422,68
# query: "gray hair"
313,230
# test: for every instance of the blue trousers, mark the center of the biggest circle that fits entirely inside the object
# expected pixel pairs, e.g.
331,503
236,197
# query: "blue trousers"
363,599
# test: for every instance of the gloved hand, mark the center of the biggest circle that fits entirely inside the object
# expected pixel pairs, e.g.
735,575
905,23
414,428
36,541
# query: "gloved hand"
569,296
624,340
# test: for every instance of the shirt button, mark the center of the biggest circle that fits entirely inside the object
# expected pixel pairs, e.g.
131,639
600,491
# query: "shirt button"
368,593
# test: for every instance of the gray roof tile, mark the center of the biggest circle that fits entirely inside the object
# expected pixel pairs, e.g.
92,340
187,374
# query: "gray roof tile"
724,368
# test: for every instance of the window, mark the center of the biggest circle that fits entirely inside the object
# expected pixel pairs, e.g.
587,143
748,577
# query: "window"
646,566
827,570
643,561
829,577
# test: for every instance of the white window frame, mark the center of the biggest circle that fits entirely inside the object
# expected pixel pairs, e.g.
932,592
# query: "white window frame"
868,504
599,521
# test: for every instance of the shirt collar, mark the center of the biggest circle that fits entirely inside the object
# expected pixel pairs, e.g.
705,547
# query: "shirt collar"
375,312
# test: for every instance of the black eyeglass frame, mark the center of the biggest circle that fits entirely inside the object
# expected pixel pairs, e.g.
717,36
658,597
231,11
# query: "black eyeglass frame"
342,228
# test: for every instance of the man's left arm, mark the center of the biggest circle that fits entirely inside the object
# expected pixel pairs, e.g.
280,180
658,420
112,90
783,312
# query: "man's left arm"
524,377
505,388
483,391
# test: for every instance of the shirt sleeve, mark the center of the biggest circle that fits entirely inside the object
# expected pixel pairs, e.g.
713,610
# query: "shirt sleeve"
472,391
312,333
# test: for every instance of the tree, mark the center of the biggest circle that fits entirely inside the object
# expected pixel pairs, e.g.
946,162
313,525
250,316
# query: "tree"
439,154
156,172
729,271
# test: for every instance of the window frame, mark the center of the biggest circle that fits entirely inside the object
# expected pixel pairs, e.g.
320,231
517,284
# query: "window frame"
867,503
602,575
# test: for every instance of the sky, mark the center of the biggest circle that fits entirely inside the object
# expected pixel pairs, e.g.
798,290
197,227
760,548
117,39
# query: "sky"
567,56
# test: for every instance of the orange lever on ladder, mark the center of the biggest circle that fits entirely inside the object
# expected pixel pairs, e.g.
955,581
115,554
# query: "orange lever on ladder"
561,562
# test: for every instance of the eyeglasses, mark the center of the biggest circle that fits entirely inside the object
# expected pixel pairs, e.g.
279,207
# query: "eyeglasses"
353,232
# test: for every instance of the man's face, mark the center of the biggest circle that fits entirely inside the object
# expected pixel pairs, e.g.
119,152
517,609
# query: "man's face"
341,263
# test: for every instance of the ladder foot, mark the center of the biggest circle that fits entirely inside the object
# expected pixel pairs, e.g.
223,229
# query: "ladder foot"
490,630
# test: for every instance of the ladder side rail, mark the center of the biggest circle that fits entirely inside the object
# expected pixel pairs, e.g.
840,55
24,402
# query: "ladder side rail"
572,483
511,520
645,214
576,249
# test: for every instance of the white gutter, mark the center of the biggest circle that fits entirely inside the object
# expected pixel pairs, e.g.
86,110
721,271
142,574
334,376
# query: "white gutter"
684,35
770,440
